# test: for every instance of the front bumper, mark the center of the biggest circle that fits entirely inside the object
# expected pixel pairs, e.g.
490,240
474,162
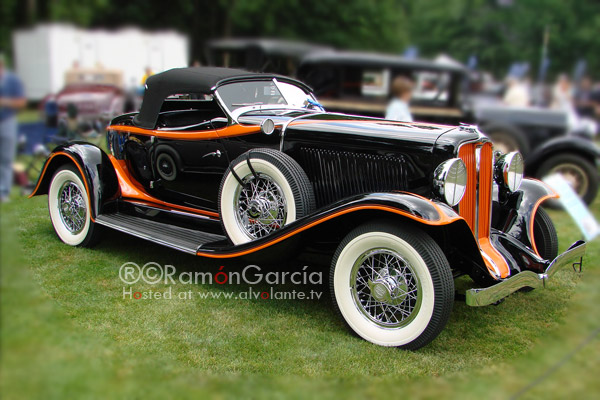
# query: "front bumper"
490,295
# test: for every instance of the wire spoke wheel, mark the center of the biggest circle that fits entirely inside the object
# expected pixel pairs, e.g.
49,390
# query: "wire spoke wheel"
72,207
392,284
385,288
262,191
261,206
69,207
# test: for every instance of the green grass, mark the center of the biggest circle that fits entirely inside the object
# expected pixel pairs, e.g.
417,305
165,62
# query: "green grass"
67,332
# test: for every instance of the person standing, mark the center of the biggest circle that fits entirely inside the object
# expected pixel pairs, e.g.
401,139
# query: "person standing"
517,93
584,101
147,74
398,109
12,98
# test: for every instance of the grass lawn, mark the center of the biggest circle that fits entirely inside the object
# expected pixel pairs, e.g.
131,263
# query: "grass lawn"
67,332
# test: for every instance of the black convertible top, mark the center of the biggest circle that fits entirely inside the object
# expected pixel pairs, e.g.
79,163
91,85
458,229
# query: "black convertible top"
190,80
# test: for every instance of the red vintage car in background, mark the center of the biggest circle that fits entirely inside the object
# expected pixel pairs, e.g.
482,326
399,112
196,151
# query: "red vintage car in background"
89,100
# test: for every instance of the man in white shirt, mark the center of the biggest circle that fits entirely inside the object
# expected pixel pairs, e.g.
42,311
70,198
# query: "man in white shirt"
398,108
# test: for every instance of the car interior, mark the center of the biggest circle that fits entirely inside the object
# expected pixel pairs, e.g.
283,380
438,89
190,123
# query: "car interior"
188,112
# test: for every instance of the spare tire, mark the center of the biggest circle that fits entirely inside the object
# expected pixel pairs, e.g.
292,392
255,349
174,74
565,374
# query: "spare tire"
262,191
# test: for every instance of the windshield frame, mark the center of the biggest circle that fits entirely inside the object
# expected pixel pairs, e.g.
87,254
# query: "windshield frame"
235,114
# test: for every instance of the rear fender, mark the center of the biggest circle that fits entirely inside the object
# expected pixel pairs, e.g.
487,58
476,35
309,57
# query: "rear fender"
94,166
565,144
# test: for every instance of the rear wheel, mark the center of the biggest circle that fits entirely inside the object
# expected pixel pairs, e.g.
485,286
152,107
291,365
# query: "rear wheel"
69,208
392,285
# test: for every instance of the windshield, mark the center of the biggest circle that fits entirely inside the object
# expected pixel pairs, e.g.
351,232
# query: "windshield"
256,95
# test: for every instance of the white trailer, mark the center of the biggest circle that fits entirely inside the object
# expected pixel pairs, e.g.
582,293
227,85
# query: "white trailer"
46,52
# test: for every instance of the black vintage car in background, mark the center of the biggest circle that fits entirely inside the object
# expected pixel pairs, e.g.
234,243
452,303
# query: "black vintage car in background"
223,163
259,54
359,82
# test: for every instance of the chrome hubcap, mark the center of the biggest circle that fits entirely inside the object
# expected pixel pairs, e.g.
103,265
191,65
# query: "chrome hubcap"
72,207
261,206
385,288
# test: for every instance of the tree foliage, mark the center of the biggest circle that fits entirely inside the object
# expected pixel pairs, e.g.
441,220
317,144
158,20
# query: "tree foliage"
497,32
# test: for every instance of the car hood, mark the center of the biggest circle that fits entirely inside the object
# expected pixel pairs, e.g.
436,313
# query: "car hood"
372,127
366,132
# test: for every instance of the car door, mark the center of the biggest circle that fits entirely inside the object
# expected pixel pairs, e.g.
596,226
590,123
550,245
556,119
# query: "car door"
189,165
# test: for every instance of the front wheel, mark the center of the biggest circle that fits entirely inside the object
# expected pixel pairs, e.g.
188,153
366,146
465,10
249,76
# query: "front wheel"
544,235
392,285
69,208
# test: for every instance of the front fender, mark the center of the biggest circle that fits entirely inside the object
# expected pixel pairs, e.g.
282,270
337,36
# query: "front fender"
93,164
409,206
517,212
563,144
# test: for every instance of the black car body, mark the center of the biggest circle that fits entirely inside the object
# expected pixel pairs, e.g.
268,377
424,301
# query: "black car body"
223,163
359,82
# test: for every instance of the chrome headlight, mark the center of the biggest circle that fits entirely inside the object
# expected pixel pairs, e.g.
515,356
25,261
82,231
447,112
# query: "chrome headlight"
508,171
450,180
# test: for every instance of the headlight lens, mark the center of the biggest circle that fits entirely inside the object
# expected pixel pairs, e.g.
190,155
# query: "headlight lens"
450,180
508,171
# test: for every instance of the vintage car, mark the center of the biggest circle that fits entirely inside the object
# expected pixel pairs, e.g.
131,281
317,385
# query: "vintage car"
223,163
92,95
359,82
258,54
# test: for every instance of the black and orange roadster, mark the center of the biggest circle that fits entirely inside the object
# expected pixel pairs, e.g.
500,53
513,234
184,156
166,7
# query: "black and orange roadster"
224,163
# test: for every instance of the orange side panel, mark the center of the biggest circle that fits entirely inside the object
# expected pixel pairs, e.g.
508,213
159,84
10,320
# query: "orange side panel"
234,130
130,189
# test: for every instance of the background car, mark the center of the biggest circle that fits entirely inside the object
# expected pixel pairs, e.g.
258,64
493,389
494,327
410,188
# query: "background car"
91,97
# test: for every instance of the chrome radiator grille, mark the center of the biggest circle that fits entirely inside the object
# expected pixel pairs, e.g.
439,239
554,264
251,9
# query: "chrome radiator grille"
339,174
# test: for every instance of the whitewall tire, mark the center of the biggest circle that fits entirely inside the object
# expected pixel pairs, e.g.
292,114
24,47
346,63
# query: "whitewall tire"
69,208
392,285
274,191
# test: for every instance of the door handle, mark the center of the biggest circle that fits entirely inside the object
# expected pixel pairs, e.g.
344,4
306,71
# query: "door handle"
214,153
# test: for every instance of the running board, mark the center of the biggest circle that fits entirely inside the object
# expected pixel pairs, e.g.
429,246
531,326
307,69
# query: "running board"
175,237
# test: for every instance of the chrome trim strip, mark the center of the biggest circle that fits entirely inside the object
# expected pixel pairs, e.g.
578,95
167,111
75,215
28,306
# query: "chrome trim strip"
492,294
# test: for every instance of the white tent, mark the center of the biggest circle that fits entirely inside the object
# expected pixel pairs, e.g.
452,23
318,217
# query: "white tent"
43,54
